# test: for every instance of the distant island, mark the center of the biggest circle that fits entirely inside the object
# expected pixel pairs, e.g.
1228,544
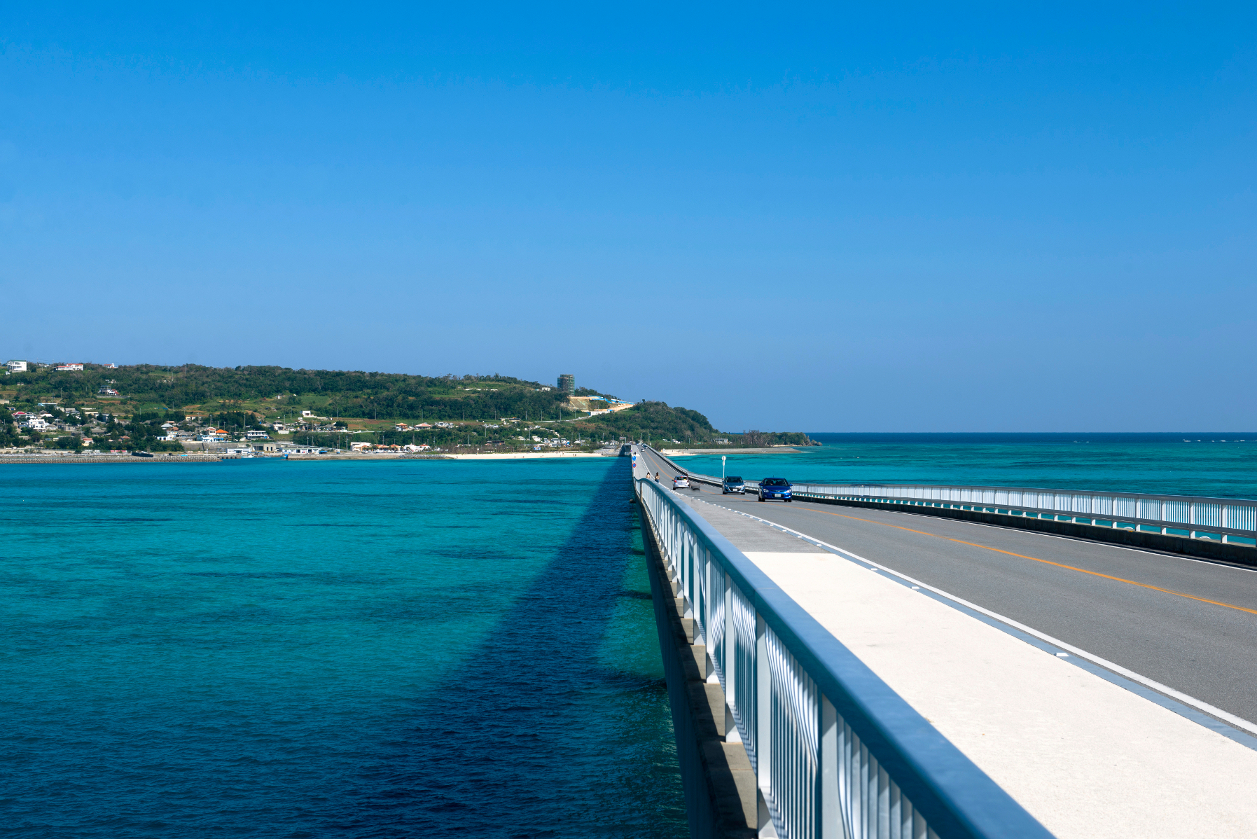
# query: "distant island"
154,408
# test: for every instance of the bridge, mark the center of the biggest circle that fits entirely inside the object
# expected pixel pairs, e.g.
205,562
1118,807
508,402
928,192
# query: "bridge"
927,661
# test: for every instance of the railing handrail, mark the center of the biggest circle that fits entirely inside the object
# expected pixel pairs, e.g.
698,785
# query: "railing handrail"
951,792
1236,516
1148,495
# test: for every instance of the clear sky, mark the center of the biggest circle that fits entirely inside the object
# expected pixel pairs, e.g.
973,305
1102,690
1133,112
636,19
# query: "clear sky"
988,218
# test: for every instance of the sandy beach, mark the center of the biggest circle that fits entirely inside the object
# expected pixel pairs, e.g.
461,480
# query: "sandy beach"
449,456
768,450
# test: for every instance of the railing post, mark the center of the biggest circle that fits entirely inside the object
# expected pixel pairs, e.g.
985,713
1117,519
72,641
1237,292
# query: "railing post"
829,821
687,546
729,665
763,727
708,635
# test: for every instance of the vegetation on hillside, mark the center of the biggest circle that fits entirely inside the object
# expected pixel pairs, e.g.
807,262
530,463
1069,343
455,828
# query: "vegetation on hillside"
669,427
656,419
343,393
476,411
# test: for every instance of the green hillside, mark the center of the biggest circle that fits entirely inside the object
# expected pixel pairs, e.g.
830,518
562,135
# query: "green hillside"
265,389
480,410
669,427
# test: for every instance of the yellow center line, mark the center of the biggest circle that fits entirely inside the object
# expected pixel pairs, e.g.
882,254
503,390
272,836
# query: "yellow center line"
1046,562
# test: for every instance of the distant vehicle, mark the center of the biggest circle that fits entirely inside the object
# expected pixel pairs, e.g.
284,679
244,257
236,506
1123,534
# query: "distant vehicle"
680,482
141,454
774,488
733,484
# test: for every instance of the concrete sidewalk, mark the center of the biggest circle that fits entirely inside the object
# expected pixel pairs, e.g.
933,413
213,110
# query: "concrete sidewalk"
1086,757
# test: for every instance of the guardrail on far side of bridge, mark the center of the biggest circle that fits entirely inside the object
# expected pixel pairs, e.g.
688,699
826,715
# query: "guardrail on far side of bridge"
1198,525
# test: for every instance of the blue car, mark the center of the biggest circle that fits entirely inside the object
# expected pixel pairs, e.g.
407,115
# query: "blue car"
774,488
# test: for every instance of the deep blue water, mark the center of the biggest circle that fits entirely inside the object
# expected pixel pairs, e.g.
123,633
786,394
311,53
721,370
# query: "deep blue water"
263,648
1217,463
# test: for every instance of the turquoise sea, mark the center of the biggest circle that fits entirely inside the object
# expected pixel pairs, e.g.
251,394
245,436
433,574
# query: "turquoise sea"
264,648
1217,464
415,648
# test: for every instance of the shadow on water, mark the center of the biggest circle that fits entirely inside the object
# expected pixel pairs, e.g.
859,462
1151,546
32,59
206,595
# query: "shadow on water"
534,735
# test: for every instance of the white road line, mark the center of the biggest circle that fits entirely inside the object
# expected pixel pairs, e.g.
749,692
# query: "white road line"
1190,701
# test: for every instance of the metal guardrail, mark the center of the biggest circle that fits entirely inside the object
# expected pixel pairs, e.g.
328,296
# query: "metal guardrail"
1197,517
1172,515
1230,520
836,752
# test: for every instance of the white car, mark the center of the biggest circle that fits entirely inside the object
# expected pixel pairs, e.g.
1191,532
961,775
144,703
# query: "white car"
680,482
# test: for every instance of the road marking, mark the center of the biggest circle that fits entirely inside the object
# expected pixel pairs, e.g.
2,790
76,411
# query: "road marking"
1166,690
1047,562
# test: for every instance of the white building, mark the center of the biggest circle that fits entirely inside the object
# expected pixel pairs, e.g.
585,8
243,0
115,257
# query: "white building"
15,366
254,434
69,368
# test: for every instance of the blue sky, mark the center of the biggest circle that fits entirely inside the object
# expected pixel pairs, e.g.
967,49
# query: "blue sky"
827,218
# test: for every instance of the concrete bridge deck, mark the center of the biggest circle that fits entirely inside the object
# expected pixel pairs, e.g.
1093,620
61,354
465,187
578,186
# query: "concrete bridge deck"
1088,750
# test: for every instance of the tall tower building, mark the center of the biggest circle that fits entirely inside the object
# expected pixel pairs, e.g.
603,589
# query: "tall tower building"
567,383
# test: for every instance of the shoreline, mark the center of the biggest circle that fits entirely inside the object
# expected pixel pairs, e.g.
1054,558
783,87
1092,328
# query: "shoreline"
215,457
767,450
111,458
440,456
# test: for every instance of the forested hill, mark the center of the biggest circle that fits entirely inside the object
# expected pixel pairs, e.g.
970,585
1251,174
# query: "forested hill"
330,392
658,422
657,419
367,402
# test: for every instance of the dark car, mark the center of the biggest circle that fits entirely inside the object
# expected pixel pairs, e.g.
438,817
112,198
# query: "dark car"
774,488
733,484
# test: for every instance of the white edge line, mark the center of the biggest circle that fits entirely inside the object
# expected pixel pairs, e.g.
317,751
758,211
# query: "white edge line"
1191,701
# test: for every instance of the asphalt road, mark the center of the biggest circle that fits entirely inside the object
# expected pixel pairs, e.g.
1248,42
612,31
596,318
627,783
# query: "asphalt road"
1188,624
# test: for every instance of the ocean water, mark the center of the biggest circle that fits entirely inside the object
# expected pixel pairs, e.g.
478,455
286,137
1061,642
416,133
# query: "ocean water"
1215,464
264,648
